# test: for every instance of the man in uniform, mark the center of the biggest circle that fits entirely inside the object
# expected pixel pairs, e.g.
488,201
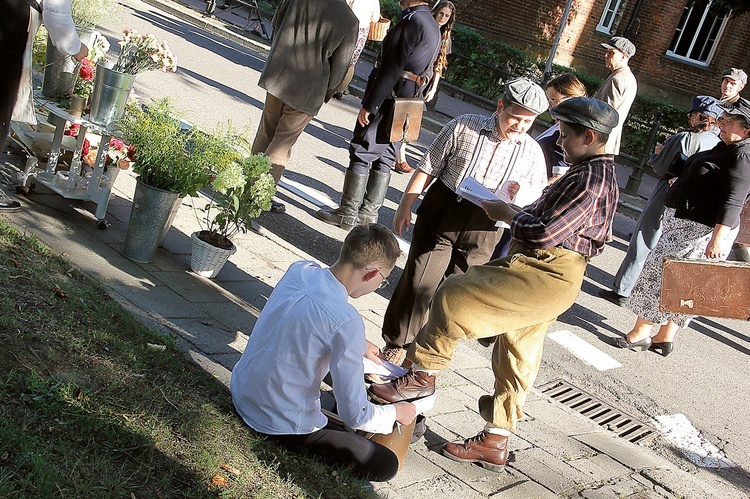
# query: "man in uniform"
402,70
620,87
451,233
733,80
519,296
313,41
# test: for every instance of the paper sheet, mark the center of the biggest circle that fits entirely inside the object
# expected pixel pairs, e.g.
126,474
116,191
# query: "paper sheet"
386,370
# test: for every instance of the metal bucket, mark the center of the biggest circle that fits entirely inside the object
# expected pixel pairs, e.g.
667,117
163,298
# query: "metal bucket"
61,71
152,210
110,94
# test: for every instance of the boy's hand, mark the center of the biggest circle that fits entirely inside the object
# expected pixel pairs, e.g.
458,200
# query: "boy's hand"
499,210
373,353
405,412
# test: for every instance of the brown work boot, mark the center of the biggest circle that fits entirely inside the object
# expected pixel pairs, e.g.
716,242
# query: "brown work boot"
394,355
411,386
486,449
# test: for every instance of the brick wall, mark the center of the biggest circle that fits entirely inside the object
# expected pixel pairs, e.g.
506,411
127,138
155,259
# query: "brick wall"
532,27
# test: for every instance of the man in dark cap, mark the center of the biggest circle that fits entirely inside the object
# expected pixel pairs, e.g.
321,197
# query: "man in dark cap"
702,135
517,297
733,80
403,70
620,87
452,233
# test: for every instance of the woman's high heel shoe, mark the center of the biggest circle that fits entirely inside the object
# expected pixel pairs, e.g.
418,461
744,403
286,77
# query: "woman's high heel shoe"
662,349
625,343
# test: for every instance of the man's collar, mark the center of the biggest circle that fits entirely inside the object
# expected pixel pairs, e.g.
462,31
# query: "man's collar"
420,6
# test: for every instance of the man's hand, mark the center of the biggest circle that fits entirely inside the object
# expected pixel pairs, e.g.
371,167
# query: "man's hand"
372,352
714,249
405,412
364,117
82,53
499,210
401,220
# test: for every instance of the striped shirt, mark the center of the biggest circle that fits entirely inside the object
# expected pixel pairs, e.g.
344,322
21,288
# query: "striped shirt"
501,160
575,213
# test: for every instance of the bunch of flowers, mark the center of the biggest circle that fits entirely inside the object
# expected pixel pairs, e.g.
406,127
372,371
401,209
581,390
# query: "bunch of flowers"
139,53
241,183
85,81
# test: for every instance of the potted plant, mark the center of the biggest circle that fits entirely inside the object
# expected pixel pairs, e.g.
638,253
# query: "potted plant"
166,172
113,82
241,188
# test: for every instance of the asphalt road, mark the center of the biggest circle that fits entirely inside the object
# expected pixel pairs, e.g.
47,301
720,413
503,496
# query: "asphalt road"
706,378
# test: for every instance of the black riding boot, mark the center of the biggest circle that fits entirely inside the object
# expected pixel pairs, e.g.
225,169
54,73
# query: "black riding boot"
377,188
345,216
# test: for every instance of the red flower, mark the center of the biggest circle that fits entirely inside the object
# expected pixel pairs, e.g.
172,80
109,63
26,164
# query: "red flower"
86,72
85,148
131,152
73,130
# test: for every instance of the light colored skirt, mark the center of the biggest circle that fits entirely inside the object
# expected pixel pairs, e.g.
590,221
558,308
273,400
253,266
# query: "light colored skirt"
680,239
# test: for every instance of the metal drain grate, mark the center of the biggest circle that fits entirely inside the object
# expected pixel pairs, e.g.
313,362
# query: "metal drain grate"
623,425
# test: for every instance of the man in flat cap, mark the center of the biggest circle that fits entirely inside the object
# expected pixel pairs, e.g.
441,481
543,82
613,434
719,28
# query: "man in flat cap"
452,233
620,87
733,80
517,297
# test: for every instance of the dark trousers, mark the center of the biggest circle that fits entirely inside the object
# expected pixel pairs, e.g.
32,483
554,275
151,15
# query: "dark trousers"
449,237
14,30
370,146
337,445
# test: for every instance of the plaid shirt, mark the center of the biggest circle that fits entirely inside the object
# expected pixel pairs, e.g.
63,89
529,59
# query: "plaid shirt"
450,155
576,212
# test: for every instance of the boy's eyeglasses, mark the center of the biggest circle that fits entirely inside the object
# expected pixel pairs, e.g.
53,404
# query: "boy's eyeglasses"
384,282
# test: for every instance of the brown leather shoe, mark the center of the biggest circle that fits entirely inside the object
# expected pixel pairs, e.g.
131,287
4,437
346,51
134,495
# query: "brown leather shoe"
402,167
411,386
486,449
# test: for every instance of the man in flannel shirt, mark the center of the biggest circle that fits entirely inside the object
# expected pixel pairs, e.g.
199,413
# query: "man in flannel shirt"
452,233
517,297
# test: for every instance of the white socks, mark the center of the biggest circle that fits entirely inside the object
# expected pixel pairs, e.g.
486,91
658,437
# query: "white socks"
489,428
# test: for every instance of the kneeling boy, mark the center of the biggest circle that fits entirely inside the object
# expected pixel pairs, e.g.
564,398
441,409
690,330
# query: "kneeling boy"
517,297
307,329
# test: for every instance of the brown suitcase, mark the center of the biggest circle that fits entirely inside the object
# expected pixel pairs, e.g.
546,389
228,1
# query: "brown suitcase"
743,238
700,287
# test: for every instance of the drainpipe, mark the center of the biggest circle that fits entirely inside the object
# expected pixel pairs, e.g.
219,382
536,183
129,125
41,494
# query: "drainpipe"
553,50
633,18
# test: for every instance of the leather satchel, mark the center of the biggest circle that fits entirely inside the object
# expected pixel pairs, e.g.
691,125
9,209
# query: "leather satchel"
406,119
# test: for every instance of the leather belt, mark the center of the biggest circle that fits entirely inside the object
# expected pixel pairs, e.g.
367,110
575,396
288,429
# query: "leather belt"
407,75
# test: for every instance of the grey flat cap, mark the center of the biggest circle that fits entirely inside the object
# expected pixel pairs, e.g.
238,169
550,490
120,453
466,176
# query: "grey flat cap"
735,74
739,108
591,113
622,44
527,94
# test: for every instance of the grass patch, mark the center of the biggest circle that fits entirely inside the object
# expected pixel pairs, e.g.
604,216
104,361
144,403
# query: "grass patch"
92,406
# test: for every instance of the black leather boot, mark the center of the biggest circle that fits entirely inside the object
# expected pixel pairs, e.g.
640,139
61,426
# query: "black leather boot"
345,216
377,188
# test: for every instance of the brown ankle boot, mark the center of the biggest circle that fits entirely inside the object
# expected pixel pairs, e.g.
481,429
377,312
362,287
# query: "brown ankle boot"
486,449
411,386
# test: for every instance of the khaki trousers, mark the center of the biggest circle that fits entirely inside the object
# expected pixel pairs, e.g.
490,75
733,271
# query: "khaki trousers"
280,127
516,297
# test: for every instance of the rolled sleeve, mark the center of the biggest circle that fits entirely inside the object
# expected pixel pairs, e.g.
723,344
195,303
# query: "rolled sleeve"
56,16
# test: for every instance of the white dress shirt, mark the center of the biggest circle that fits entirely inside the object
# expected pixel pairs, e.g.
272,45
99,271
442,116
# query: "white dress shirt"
306,328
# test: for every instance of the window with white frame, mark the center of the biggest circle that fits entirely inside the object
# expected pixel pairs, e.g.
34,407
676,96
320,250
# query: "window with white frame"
697,33
608,16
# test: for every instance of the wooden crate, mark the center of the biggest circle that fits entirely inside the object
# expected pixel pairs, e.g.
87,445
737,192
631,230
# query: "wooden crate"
699,287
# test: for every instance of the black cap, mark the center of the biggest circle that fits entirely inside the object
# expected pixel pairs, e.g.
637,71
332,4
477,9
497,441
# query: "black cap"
591,113
707,105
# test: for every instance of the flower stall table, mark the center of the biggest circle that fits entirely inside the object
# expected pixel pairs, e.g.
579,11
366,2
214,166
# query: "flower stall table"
73,184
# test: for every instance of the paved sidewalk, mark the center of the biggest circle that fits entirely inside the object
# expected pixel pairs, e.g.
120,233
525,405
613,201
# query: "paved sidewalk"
556,452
